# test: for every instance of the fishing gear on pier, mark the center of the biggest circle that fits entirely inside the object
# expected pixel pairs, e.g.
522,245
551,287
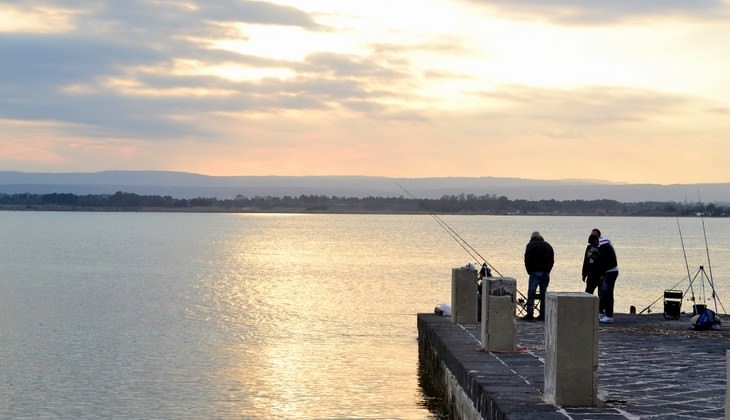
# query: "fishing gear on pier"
673,298
698,306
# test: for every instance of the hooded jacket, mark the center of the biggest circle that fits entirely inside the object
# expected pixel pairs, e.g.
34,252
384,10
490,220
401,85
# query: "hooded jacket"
607,260
539,256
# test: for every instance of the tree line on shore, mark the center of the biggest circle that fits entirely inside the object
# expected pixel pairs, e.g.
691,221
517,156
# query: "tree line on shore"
455,204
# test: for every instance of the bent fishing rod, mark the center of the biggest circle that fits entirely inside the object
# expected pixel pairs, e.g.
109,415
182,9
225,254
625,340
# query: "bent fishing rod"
454,235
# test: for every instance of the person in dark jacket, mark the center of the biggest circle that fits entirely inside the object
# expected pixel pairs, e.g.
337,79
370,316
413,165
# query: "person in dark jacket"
591,273
539,260
608,266
485,272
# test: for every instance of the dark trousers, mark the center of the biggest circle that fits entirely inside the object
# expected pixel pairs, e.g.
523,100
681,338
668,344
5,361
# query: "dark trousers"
592,283
605,293
537,279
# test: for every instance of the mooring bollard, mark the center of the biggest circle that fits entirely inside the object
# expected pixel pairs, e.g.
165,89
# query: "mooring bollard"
571,349
727,375
464,295
498,327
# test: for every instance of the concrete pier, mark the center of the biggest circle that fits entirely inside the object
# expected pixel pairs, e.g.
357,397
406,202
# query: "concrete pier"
498,323
571,349
464,295
727,394
648,367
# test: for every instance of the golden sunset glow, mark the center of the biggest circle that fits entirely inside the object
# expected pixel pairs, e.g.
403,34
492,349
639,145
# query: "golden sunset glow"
402,89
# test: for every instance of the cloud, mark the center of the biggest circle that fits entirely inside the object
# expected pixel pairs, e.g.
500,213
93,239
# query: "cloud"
169,14
611,118
37,68
118,73
593,105
53,60
237,77
586,12
113,75
257,12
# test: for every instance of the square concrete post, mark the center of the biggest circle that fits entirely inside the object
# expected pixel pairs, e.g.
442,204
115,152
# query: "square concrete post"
464,295
498,326
571,349
727,375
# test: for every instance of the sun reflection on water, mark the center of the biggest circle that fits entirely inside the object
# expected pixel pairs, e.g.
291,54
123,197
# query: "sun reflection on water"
312,342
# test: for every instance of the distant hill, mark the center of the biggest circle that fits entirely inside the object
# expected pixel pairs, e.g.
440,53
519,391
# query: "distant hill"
189,185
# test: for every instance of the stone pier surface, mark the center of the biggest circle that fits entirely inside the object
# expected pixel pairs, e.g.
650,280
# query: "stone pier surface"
648,367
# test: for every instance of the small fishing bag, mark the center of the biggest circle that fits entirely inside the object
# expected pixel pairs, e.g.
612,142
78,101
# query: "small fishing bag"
704,321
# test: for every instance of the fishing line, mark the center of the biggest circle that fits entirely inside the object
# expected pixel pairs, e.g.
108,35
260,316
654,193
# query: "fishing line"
454,235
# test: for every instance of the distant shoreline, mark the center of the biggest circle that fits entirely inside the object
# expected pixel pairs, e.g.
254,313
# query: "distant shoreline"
468,204
191,185
72,209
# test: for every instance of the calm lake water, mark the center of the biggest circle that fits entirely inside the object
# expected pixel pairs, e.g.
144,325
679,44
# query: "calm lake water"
157,315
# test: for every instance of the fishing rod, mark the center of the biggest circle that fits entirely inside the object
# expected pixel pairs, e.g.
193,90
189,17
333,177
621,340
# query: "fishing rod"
711,279
704,232
689,276
454,235
657,300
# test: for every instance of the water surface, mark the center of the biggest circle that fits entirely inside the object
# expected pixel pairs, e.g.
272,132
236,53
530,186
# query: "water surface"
272,315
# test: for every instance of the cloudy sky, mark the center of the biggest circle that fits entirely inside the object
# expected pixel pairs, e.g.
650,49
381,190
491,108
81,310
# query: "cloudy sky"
624,90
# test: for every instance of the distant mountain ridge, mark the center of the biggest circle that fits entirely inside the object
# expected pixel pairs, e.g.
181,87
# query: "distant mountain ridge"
191,185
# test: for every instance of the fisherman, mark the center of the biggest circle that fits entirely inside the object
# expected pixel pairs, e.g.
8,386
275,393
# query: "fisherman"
485,271
608,267
591,273
539,260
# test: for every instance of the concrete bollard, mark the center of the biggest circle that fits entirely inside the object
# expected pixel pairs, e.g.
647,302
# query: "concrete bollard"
464,295
727,375
498,326
571,349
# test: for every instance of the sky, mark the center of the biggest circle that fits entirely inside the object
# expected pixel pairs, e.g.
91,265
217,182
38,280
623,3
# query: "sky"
623,91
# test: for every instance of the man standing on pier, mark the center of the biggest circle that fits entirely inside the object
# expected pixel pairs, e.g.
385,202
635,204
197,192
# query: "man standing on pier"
539,260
